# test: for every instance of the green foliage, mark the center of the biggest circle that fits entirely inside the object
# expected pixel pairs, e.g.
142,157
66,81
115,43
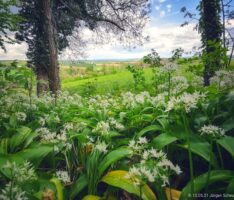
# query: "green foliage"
138,76
8,21
200,182
112,145
114,178
152,59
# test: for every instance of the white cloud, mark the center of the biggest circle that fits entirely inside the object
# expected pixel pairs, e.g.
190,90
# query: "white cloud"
14,52
161,1
163,38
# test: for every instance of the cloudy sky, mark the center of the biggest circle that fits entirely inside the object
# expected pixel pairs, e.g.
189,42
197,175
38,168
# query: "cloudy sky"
164,31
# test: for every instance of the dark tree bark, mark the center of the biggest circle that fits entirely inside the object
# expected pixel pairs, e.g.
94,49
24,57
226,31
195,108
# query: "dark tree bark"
51,34
42,79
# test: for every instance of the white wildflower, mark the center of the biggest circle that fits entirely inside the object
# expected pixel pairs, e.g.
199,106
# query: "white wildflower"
21,172
211,130
122,115
21,116
63,176
142,140
41,121
68,126
169,68
177,169
102,127
12,192
102,147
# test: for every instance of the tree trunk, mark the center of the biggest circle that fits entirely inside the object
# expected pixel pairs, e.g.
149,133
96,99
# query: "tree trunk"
51,33
211,31
42,79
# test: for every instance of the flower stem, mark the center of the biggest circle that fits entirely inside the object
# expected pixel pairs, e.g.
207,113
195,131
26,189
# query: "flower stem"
220,155
209,169
191,169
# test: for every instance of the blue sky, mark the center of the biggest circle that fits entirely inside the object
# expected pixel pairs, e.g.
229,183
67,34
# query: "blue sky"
169,10
164,31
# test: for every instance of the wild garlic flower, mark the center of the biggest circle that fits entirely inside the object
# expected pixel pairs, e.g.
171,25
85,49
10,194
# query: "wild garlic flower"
41,121
122,115
159,100
142,97
198,81
22,172
68,126
115,124
21,116
102,127
169,68
52,137
101,147
142,140
186,101
224,79
212,131
80,126
179,84
63,176
128,100
138,146
150,165
12,192
138,174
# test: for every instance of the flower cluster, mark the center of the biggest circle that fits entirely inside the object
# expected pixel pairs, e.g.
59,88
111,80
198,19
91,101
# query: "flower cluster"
63,176
20,174
152,166
102,127
56,138
224,79
169,68
137,147
101,147
130,100
186,101
12,192
212,131
20,116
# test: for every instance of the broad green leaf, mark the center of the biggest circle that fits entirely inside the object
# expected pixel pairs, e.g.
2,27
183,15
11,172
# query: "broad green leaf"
112,157
35,154
228,125
200,181
80,137
230,187
4,145
78,186
59,188
19,138
148,129
118,179
163,140
91,197
202,149
227,143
